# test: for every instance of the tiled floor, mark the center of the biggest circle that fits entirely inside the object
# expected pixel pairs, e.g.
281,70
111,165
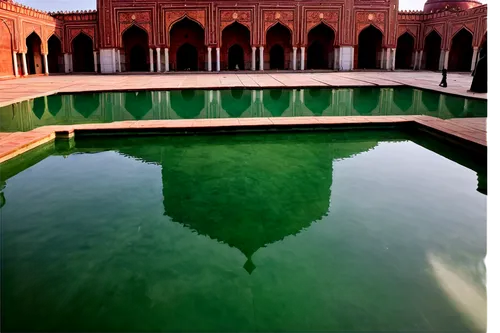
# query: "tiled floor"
16,90
12,144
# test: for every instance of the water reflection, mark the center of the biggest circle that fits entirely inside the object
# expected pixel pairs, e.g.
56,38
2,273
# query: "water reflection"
189,104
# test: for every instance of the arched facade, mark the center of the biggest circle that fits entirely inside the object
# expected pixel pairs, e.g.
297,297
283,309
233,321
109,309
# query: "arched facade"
217,35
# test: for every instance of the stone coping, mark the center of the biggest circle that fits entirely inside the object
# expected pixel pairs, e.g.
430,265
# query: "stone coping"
470,134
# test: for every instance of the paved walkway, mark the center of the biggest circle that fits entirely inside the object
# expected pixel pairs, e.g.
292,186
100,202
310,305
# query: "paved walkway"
17,90
468,130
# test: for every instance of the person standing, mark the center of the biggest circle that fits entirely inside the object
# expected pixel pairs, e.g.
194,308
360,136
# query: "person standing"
480,80
443,83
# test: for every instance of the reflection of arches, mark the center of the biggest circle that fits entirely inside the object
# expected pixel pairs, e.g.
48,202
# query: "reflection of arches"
187,58
318,100
403,98
138,103
135,44
320,47
187,103
279,47
54,104
432,50
34,54
55,57
430,100
235,46
460,58
86,104
83,53
455,104
38,107
190,36
235,101
369,47
404,51
6,50
365,100
276,101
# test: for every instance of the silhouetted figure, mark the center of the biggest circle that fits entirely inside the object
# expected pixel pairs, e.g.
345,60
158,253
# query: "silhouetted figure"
480,80
443,83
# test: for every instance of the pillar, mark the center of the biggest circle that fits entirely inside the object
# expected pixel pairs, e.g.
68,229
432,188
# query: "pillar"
441,59
382,59
420,56
474,60
415,59
445,61
151,61
25,66
253,57
302,57
118,61
294,59
217,59
14,61
113,61
95,62
209,62
158,59
346,56
393,59
167,65
45,64
261,58
107,60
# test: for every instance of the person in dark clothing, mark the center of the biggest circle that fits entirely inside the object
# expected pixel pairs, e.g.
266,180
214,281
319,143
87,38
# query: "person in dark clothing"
443,83
480,80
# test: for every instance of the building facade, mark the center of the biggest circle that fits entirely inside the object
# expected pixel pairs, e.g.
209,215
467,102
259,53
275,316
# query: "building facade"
219,35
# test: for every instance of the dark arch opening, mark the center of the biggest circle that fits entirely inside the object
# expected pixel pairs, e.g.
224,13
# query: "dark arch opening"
55,57
404,51
236,57
139,103
188,103
54,104
460,58
432,50
187,58
320,53
369,47
83,53
236,49
135,44
278,38
34,54
365,100
39,107
187,41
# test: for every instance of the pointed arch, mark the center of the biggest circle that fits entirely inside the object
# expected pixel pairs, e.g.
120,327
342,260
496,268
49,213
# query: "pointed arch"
278,41
405,45
183,33
432,50
234,37
132,25
82,46
461,51
369,47
320,52
278,22
430,31
368,26
6,50
34,53
408,31
135,44
322,22
460,29
78,34
55,55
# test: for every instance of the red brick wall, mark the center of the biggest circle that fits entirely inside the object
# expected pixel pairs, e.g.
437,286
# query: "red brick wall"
6,64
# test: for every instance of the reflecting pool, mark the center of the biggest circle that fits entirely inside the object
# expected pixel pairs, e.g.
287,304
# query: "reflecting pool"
345,231
190,104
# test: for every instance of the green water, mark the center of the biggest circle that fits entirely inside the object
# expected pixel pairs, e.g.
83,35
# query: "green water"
357,231
189,104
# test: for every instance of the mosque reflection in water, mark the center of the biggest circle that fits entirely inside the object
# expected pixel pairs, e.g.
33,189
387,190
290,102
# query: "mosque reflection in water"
191,104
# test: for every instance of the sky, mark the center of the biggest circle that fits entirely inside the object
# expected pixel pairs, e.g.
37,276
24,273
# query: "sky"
55,5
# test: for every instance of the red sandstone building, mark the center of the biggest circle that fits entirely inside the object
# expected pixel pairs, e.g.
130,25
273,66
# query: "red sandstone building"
162,36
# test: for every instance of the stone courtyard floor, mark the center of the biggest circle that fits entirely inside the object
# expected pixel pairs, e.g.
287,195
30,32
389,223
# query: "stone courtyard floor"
468,131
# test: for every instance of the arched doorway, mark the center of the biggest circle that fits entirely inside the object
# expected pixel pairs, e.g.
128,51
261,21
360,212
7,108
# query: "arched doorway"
135,44
369,48
55,57
187,58
6,62
460,58
83,53
432,50
187,42
404,51
279,47
235,48
320,53
34,54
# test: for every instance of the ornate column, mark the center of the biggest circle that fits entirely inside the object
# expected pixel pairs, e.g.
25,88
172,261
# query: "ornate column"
167,65
415,59
302,57
45,64
95,61
209,61
158,59
151,61
294,59
14,61
253,57
420,55
261,58
25,67
474,60
446,56
217,59
382,58
118,61
113,60
390,59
